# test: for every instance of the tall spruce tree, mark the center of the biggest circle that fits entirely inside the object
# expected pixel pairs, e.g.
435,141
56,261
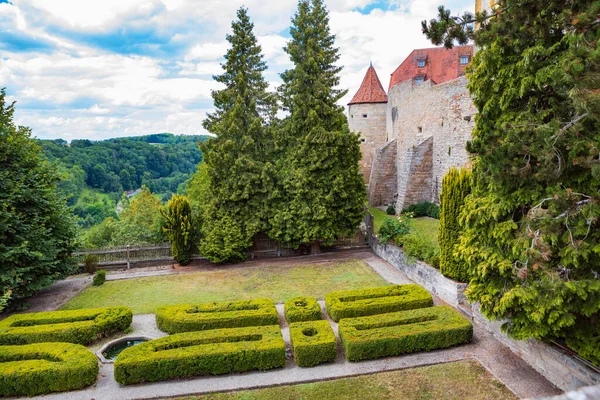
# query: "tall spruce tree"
321,194
237,160
531,227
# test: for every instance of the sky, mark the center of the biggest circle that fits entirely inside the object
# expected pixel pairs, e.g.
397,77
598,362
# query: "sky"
101,69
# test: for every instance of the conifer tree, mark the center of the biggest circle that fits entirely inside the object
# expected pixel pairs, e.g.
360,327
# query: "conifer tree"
237,160
321,194
179,228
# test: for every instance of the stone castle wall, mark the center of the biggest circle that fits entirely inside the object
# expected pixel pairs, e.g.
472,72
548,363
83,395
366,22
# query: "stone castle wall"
372,129
383,182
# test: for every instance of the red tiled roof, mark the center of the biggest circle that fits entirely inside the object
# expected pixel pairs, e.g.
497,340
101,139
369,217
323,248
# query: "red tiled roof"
371,90
441,64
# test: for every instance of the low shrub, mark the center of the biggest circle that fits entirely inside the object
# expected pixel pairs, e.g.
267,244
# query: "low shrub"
403,332
200,317
390,210
420,247
99,278
40,368
90,263
424,209
380,300
302,308
77,326
393,227
313,343
217,351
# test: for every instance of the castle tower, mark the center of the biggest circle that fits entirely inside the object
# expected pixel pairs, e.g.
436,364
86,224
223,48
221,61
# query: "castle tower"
367,115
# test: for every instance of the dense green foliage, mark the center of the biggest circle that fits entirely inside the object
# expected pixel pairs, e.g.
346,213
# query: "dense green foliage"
403,332
531,236
41,368
199,317
302,308
99,277
79,326
418,245
179,229
320,192
390,210
384,299
456,185
216,351
238,168
393,227
37,232
424,209
313,343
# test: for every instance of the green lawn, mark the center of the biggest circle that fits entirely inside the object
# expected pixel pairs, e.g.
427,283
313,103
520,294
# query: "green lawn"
463,380
279,283
424,226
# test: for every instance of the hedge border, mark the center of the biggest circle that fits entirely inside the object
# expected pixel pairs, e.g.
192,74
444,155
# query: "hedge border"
310,311
215,352
379,300
199,317
316,348
403,332
75,326
41,368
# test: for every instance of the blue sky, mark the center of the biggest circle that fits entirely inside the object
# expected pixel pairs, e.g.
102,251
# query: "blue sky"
100,69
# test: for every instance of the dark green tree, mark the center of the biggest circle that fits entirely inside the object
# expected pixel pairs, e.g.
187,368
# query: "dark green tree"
321,194
179,229
531,225
37,231
237,161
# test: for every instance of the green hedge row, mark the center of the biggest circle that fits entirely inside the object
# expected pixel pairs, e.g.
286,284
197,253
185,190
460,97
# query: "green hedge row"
313,343
380,300
34,369
217,351
77,326
302,309
403,332
200,317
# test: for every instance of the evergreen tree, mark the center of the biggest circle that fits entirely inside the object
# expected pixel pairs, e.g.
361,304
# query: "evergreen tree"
179,229
141,221
37,231
456,185
321,194
237,160
532,223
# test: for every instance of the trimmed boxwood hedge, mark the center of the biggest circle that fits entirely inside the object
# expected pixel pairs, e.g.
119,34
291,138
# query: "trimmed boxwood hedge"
217,351
77,326
40,368
384,299
403,332
302,309
200,317
313,343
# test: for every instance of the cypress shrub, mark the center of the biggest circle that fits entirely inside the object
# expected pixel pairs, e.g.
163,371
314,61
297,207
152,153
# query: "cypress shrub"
456,185
179,229
99,278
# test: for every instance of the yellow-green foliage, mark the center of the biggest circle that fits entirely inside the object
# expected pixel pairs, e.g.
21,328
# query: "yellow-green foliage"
403,332
384,299
313,343
217,351
179,228
302,309
199,317
78,326
34,369
456,185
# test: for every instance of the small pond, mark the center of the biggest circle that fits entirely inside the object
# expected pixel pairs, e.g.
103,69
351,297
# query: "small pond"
113,350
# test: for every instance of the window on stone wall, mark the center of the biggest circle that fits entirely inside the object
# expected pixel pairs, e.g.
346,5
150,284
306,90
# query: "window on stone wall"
419,79
364,115
464,59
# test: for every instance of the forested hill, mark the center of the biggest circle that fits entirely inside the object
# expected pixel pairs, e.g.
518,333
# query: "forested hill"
96,173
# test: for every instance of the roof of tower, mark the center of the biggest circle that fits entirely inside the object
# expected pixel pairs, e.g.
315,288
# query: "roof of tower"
371,90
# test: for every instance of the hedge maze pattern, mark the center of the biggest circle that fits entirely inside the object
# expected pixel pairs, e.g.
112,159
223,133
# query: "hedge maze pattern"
313,343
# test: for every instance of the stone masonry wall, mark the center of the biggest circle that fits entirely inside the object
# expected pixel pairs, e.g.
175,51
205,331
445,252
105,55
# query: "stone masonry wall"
372,129
384,179
444,112
417,186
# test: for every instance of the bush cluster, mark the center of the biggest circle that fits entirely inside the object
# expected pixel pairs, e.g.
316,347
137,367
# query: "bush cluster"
313,343
77,326
302,308
403,332
200,317
393,227
99,278
90,263
424,209
420,247
385,299
34,369
390,210
217,351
